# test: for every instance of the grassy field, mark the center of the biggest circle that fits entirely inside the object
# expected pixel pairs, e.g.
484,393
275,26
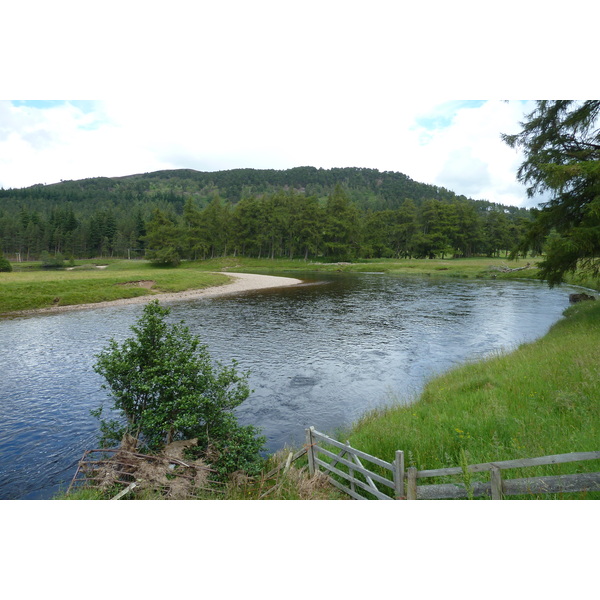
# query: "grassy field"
30,287
461,267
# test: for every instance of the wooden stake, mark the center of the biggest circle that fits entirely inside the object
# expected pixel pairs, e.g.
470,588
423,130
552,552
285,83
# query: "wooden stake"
399,475
496,481
411,484
310,450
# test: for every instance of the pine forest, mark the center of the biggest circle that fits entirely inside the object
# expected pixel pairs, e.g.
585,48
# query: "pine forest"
306,213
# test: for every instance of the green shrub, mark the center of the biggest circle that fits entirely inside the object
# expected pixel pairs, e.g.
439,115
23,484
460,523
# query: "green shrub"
52,262
166,387
5,266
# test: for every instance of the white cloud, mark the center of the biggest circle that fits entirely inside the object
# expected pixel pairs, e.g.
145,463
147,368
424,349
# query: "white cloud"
463,171
268,84
465,152
454,145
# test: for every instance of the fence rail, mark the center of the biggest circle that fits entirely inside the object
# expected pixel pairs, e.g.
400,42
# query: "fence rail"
355,466
359,479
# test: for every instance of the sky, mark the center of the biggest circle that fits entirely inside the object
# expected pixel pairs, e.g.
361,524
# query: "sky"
424,91
453,144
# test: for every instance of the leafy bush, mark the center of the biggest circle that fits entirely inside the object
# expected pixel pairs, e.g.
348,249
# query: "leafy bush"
164,257
166,387
52,262
5,266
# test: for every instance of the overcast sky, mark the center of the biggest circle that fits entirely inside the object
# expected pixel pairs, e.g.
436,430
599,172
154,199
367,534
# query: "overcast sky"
268,85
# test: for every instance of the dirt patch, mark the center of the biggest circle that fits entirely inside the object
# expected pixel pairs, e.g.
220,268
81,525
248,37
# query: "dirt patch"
143,283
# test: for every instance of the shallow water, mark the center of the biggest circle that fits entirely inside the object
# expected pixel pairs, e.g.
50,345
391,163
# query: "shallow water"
320,354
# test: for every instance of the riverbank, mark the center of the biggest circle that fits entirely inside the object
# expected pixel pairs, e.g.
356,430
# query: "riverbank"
238,283
102,281
539,400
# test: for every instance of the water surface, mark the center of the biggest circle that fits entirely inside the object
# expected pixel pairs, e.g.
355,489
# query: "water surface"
321,354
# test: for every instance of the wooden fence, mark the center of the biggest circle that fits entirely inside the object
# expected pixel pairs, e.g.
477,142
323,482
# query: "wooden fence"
399,483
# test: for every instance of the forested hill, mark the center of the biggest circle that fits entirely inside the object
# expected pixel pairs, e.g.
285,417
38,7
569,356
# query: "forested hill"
349,212
367,188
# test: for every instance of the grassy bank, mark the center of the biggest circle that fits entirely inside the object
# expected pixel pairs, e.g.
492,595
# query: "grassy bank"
539,400
453,267
31,288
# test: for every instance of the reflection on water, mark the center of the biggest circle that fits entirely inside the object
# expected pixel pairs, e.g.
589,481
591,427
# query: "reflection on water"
319,355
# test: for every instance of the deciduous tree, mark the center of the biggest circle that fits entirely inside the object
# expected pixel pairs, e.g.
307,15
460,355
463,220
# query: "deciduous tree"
162,240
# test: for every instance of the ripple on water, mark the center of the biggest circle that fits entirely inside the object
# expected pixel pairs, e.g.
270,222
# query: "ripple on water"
318,355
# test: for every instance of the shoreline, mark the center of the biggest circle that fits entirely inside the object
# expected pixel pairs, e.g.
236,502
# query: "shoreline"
241,282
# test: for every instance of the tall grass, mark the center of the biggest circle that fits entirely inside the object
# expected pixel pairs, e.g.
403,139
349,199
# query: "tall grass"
539,400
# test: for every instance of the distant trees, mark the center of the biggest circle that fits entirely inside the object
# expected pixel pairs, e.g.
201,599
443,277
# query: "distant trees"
337,214
341,227
163,240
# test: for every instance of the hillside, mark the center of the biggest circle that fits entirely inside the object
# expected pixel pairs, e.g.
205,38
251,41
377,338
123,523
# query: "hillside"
304,211
368,188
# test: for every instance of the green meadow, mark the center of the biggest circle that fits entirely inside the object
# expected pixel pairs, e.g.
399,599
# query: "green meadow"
28,287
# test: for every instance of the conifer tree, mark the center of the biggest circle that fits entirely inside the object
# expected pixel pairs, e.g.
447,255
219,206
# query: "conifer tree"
561,142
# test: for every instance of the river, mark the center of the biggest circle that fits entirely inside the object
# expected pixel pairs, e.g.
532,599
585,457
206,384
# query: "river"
321,353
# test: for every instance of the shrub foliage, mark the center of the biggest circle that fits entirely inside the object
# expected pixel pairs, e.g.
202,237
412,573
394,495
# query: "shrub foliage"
5,266
166,387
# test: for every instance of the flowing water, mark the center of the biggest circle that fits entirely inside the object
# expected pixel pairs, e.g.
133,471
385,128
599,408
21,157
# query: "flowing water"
321,353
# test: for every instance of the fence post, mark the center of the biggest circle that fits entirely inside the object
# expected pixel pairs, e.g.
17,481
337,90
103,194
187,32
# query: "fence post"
399,474
351,470
496,483
411,484
310,450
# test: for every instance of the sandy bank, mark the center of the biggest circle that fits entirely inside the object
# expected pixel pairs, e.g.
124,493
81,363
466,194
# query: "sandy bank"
241,282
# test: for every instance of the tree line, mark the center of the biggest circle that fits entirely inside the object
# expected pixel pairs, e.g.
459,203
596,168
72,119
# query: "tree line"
168,216
288,224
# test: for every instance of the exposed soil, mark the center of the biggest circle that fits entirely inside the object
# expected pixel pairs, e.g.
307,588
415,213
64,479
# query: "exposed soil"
143,283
